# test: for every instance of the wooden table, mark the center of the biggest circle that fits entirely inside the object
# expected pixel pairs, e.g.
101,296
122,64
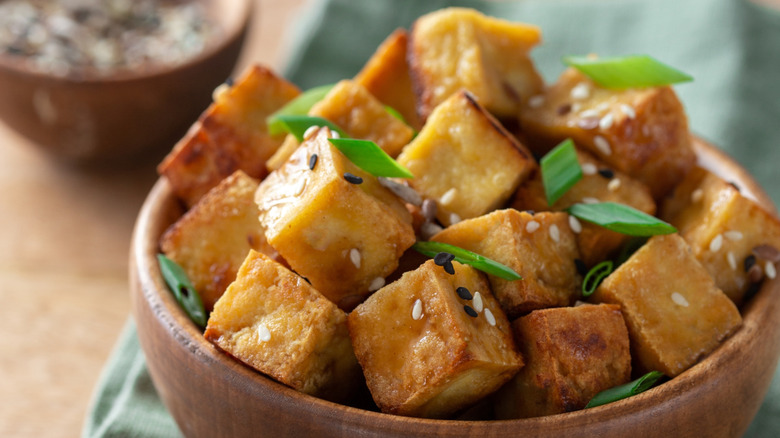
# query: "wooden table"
65,237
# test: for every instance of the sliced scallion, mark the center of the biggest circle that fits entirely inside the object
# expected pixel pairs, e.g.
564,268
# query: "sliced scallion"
621,218
623,72
594,277
297,125
368,156
299,106
638,386
183,290
467,257
560,170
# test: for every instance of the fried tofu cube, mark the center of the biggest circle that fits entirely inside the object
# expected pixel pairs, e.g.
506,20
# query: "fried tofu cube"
456,48
272,320
540,247
386,76
360,115
674,312
642,132
428,352
213,238
599,182
231,134
722,227
342,236
466,160
571,354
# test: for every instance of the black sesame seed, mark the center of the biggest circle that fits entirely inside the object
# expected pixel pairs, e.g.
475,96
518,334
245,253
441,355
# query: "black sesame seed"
312,161
442,258
749,262
582,269
229,82
733,184
564,109
531,212
607,173
448,268
352,179
464,293
470,311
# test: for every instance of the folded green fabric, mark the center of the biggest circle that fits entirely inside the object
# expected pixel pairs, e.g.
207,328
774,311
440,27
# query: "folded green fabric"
732,48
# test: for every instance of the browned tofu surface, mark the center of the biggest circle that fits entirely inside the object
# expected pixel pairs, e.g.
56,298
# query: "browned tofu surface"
456,48
540,247
571,354
723,227
674,312
274,321
343,237
642,132
466,160
231,134
212,239
421,353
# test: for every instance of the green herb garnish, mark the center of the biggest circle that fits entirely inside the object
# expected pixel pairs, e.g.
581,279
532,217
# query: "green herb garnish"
594,277
368,156
183,290
627,71
467,257
639,385
621,218
560,170
297,125
299,106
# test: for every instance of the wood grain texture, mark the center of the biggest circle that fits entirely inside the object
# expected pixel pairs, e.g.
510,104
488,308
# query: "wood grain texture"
716,398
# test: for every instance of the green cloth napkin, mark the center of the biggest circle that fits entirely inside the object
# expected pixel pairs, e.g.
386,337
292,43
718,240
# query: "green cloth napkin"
732,48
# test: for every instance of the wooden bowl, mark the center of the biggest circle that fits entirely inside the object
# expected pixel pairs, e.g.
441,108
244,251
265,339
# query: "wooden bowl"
211,394
96,119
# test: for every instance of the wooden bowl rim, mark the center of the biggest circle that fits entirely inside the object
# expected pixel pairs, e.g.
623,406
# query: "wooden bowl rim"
756,313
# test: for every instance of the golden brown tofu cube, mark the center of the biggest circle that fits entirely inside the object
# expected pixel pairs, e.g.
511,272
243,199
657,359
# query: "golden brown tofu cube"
212,239
540,247
456,48
599,183
386,76
343,237
642,132
428,352
231,134
466,160
571,354
722,227
275,322
674,312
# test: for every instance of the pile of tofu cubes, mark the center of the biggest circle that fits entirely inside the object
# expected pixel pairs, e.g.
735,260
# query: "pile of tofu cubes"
309,278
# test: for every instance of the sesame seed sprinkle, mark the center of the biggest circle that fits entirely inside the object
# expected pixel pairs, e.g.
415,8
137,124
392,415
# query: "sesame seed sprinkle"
448,196
334,134
478,304
263,334
536,101
444,259
376,284
589,169
489,317
454,218
470,311
590,113
463,293
770,271
403,191
607,173
732,260
429,208
767,252
590,200
733,235
679,299
602,145
532,226
588,123
352,179
628,110
355,257
417,310
607,121
429,229
575,224
555,233
580,91
716,243
614,185
312,161
309,132
749,262
696,195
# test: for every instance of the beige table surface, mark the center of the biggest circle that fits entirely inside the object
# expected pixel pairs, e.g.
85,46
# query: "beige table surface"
64,242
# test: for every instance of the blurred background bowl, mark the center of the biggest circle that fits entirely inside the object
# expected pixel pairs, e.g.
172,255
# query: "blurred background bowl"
99,119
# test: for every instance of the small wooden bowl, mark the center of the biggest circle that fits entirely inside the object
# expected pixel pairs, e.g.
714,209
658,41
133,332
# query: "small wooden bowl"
100,119
211,394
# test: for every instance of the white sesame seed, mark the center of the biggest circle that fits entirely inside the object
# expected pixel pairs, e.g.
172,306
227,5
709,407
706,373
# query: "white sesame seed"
679,299
448,196
732,261
589,169
575,107
454,218
628,110
429,229
310,131
696,195
607,121
219,91
376,284
580,91
602,145
770,271
263,334
477,301
489,317
555,233
733,235
334,134
354,256
536,101
590,200
589,113
614,185
575,224
417,310
716,243
603,106
532,226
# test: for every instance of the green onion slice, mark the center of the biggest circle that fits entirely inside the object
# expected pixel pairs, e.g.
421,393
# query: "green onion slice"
629,248
639,385
467,257
393,112
183,290
621,218
297,125
594,277
627,71
368,156
299,106
560,170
